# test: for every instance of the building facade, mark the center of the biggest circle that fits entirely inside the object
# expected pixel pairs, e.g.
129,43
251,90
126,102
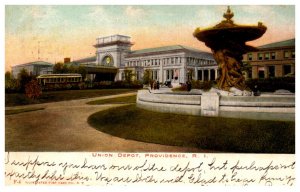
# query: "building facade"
175,63
272,60
33,68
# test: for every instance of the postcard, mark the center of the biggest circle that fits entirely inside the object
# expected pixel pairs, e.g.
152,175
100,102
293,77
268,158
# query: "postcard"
150,95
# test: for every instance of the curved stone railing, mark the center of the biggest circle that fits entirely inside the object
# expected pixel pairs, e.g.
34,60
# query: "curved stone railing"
169,103
212,104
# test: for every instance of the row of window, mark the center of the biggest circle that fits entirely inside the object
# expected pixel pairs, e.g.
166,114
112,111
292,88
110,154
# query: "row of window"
288,54
271,71
206,74
168,61
271,55
196,61
155,74
154,62
137,75
59,80
170,74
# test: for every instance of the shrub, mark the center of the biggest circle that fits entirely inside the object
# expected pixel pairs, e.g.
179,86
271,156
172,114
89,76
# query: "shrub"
147,77
136,84
12,86
33,90
205,85
24,77
272,84
68,86
82,86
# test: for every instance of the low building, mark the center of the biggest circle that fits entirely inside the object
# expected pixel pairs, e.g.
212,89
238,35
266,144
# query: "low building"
33,68
272,60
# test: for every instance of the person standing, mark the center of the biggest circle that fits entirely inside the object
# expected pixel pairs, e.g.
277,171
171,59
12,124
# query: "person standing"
189,85
151,84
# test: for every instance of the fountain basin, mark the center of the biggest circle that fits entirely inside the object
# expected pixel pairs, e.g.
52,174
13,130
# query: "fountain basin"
237,33
265,107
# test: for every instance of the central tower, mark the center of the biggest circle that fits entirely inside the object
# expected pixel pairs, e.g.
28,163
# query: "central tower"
111,50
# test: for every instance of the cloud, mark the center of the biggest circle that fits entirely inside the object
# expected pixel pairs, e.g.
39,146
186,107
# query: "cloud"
134,11
97,12
40,17
255,9
209,15
38,12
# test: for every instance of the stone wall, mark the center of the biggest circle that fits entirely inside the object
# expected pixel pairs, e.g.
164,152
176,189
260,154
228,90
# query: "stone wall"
212,104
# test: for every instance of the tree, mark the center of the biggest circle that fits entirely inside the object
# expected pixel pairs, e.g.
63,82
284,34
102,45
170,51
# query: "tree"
33,90
58,68
82,70
65,69
11,84
128,75
147,77
8,76
71,69
24,78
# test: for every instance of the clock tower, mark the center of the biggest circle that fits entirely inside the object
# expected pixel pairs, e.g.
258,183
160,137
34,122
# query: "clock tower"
111,50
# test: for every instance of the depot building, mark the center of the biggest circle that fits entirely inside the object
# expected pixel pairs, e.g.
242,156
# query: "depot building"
175,63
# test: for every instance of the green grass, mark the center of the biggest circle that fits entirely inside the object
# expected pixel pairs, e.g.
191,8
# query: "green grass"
16,111
210,133
118,100
14,99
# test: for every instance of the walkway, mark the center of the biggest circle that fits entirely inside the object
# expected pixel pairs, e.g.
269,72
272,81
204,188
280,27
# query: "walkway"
62,126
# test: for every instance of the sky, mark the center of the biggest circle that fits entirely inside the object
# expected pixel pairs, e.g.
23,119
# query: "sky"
70,31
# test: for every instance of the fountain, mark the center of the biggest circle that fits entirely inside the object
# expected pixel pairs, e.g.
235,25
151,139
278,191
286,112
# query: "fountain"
231,97
227,42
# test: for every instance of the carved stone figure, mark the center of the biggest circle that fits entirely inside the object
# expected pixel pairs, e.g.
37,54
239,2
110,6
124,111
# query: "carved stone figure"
227,42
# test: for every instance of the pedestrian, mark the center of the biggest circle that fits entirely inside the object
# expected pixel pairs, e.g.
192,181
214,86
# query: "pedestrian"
151,84
256,91
154,85
157,84
189,85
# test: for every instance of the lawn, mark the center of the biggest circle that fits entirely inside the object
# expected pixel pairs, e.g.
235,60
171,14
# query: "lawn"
118,100
16,111
14,99
210,133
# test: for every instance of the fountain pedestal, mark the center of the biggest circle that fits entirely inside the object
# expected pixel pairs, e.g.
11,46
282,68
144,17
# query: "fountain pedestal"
227,42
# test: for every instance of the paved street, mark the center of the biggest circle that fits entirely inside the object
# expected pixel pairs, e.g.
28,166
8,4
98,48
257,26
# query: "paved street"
62,126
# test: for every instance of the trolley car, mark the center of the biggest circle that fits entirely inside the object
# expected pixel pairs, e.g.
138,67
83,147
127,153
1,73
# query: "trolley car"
49,81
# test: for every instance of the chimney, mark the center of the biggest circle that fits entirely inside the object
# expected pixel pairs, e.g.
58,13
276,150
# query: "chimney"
67,60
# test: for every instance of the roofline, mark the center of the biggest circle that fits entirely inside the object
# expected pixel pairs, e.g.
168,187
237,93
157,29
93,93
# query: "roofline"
117,42
182,48
113,35
30,63
259,47
274,48
83,59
